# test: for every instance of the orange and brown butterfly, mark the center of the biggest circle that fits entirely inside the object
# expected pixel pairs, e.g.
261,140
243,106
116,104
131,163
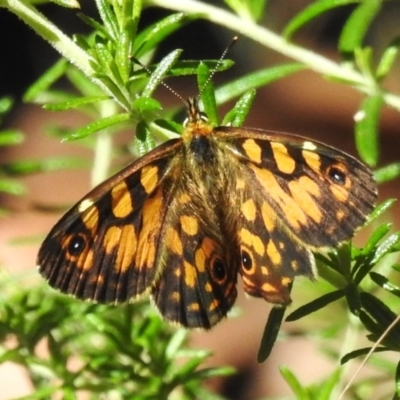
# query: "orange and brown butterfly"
183,221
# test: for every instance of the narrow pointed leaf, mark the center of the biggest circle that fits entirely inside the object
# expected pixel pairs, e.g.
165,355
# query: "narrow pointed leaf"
74,103
315,305
150,37
270,333
387,173
367,121
11,137
254,80
356,27
97,126
388,59
207,93
312,11
158,75
384,283
237,115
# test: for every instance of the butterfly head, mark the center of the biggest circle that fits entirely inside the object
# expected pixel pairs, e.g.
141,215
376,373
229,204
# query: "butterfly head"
196,123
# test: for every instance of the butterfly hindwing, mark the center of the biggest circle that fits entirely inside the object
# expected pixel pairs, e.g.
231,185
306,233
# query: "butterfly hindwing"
271,257
197,283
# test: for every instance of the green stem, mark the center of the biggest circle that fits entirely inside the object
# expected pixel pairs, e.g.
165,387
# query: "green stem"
103,147
102,157
278,43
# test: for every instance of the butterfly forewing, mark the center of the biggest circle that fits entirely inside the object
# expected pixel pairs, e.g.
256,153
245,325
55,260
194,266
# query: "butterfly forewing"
320,194
103,248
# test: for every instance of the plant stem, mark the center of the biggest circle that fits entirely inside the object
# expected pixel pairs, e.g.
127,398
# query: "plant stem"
103,147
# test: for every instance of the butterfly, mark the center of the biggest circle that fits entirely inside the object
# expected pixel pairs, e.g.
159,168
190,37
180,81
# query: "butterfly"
183,221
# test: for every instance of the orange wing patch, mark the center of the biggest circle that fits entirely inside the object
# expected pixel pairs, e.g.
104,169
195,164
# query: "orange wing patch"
284,162
122,204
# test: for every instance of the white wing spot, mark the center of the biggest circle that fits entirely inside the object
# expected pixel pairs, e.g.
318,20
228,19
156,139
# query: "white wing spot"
309,146
85,205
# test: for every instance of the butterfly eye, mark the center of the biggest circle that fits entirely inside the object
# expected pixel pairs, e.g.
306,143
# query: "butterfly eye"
76,245
337,175
219,270
246,260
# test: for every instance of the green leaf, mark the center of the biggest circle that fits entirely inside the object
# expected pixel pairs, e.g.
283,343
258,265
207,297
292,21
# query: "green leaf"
362,267
390,245
325,391
147,108
11,137
356,26
149,38
312,11
380,209
383,317
353,298
190,67
176,343
67,3
388,59
123,47
145,141
207,93
6,104
114,90
97,126
12,187
248,10
46,80
85,86
254,80
108,18
74,103
367,120
358,353
24,167
237,115
160,72
256,8
298,390
387,173
315,305
397,382
384,283
376,237
96,26
363,58
270,333
107,62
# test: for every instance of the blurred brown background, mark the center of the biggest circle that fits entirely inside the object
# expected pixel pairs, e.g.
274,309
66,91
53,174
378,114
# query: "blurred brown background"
304,104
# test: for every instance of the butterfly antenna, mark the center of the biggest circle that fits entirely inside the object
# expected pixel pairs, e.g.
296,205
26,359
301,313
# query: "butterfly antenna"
147,69
221,59
192,104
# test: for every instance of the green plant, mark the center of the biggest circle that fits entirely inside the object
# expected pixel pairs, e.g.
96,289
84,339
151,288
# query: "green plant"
114,90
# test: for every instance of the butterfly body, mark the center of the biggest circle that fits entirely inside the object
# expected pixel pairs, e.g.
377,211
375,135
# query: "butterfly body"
183,221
